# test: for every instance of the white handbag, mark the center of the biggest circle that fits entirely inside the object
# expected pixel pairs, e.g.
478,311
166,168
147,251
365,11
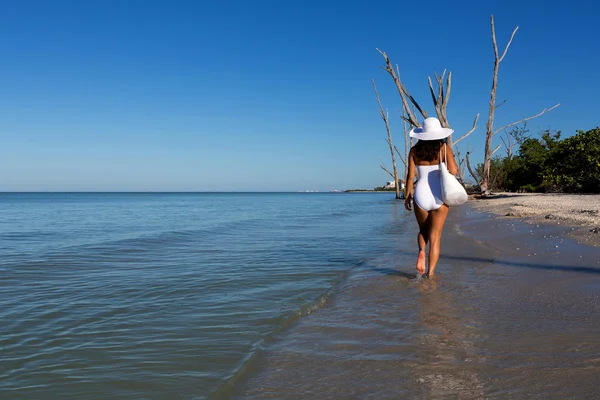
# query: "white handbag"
453,193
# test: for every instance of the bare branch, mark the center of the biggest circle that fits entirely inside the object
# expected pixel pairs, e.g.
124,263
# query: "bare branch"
441,96
385,169
400,155
469,132
440,82
489,128
494,38
432,91
508,145
402,91
412,99
385,117
495,150
508,45
461,166
510,140
545,110
496,46
473,174
448,85
498,105
406,120
381,112
407,145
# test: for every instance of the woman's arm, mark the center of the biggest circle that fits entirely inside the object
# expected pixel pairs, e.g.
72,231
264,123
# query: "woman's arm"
410,182
451,163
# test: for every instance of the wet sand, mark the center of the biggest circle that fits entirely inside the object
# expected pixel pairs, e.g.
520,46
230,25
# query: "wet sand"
511,313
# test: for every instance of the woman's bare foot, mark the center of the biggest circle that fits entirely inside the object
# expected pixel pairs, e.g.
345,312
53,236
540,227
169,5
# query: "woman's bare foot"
421,262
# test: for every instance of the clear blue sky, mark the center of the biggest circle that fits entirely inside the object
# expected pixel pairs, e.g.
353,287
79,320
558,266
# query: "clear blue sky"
265,95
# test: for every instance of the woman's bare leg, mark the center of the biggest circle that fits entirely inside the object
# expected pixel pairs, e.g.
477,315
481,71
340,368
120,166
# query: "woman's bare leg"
423,236
436,226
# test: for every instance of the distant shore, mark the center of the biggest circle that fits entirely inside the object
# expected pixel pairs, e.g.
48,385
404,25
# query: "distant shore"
580,211
374,191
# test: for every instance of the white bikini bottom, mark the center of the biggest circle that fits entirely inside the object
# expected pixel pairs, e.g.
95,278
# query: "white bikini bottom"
428,190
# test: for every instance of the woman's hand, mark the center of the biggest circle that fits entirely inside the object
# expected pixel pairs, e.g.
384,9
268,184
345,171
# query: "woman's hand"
408,202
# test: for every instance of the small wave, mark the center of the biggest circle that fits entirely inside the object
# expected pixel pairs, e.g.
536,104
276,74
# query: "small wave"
136,242
248,365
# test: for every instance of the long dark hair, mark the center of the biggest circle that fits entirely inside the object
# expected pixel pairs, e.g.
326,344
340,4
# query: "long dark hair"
428,150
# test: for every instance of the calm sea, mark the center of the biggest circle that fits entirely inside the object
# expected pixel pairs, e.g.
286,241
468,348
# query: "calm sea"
106,295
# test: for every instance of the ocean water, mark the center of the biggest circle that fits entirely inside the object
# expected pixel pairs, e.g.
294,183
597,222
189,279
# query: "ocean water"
149,295
287,296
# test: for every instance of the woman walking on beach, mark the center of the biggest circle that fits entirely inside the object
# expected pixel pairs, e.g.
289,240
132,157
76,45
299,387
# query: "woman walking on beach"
430,210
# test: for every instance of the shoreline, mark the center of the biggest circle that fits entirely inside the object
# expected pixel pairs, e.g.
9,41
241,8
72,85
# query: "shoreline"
510,302
579,212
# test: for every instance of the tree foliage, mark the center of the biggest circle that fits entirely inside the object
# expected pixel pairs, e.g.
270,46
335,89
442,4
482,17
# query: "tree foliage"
549,164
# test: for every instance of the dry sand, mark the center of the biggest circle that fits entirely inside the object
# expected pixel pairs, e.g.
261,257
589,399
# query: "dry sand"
579,211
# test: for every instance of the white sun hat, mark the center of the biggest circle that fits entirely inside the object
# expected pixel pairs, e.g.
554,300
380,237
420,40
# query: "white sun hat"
431,130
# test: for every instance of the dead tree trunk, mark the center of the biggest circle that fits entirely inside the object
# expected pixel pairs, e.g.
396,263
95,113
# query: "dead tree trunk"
407,144
384,116
492,109
489,128
440,99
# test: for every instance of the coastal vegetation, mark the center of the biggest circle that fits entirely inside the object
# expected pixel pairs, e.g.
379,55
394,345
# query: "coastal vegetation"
546,163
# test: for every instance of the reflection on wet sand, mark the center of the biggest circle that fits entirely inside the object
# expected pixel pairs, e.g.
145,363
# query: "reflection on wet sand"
447,366
385,333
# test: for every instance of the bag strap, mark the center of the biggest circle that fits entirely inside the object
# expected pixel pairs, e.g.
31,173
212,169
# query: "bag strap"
445,154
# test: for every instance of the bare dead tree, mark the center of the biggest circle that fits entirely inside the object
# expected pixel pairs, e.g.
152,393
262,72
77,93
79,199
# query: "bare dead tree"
509,143
440,99
513,138
404,94
440,95
485,189
410,105
407,142
384,116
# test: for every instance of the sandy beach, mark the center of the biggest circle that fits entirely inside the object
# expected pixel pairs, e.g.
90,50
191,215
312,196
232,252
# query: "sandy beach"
579,212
